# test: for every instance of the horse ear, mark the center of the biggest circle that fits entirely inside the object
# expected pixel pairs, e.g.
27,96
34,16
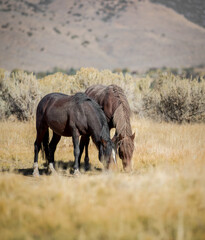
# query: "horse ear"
133,136
104,143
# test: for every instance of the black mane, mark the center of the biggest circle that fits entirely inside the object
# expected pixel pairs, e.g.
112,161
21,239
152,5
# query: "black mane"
82,97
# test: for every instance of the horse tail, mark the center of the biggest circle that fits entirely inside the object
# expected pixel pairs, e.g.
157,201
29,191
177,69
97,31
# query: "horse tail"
44,149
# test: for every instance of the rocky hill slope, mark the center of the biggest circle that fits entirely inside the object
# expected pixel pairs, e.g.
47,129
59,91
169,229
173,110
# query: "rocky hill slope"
38,35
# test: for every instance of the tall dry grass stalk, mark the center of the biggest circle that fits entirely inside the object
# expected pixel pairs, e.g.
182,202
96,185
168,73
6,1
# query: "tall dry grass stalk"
163,198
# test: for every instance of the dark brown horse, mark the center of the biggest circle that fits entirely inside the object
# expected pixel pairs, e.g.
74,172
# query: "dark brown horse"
71,116
117,111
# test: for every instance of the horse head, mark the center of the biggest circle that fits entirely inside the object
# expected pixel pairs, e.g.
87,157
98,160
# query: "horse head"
125,146
107,153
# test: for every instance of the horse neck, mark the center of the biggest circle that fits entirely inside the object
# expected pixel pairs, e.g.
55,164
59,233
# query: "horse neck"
122,112
121,119
98,131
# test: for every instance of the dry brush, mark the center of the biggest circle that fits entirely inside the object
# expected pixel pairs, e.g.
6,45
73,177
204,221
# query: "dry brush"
167,98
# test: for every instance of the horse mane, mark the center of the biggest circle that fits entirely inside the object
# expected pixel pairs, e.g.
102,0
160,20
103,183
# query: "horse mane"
82,97
121,117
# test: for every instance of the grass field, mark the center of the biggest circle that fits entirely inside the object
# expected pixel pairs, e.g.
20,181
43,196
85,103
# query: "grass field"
162,198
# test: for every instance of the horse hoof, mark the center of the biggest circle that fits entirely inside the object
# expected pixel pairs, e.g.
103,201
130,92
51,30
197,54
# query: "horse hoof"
77,172
87,167
51,170
36,174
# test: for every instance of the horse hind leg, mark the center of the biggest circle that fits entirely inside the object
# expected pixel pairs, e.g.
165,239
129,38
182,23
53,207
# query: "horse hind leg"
86,159
52,147
45,145
37,146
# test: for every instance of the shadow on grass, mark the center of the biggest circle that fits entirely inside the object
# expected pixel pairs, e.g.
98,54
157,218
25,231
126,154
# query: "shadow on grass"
60,166
64,165
29,171
70,165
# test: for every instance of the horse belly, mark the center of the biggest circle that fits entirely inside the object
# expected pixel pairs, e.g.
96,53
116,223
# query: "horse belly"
62,130
59,128
58,122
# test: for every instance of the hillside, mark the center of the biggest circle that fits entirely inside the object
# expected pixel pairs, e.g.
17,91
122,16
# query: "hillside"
39,35
193,10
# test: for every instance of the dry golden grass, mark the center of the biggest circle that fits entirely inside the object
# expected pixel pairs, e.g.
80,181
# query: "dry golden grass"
163,198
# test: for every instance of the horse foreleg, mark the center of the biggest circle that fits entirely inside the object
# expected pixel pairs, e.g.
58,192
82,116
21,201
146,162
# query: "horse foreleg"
86,159
115,140
76,146
84,142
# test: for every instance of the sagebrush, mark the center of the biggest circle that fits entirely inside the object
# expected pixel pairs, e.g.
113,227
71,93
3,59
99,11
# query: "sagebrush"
174,99
166,98
19,95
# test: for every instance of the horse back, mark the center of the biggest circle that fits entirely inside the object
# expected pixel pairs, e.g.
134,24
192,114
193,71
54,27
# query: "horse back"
106,97
65,114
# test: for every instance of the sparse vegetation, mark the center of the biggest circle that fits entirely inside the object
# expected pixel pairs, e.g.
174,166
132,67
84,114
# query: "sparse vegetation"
74,36
85,43
57,30
111,9
5,25
29,34
77,15
191,72
70,71
164,98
